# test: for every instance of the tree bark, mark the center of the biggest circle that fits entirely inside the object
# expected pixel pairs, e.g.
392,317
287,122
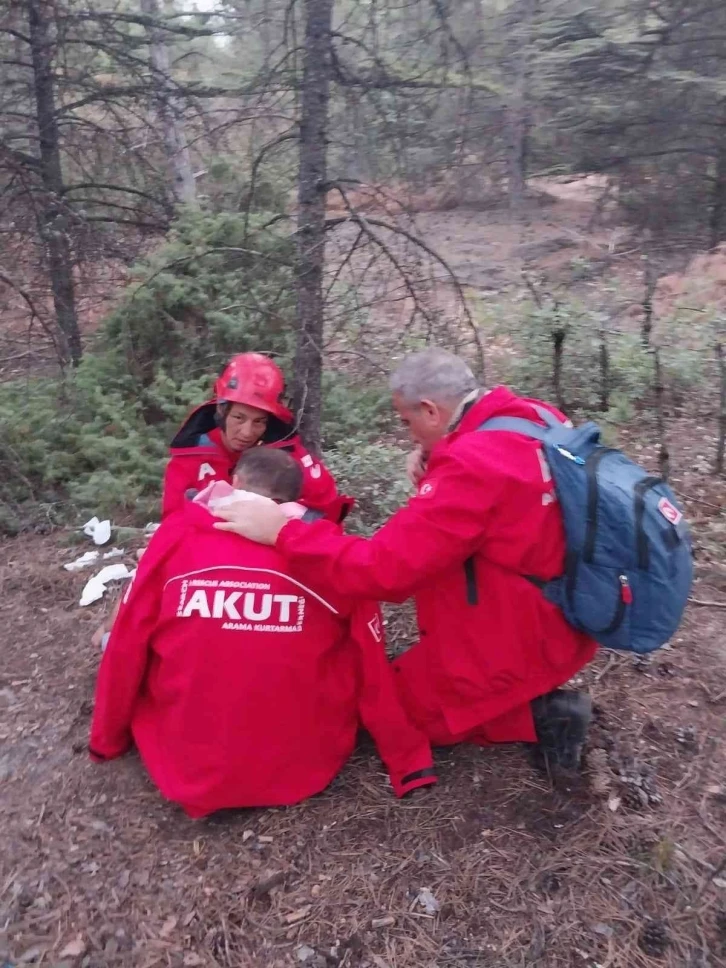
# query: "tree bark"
558,348
312,178
53,227
518,110
517,127
176,146
650,281
664,459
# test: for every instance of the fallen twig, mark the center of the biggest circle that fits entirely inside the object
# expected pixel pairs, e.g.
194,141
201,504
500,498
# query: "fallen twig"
706,604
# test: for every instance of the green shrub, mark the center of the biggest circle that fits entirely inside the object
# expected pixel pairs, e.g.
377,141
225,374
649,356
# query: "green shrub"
630,375
218,286
375,475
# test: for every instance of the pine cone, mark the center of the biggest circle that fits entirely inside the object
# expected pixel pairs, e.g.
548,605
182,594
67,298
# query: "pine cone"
633,798
601,778
653,939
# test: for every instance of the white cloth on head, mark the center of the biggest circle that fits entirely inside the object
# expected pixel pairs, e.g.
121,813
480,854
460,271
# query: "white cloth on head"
220,494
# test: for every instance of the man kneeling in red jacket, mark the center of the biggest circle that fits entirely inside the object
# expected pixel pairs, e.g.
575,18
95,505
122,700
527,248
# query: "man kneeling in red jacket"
493,651
241,685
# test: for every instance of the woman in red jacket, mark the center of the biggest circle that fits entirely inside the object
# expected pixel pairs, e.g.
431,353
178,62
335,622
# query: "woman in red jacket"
245,412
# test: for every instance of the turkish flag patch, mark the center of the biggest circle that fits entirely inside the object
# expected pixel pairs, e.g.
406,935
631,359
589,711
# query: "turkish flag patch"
427,489
669,511
375,626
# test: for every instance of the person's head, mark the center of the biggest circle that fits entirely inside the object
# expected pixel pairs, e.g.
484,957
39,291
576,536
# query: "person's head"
427,389
270,472
248,396
242,426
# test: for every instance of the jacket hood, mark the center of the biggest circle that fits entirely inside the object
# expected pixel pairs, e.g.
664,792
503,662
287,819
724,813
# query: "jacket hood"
201,420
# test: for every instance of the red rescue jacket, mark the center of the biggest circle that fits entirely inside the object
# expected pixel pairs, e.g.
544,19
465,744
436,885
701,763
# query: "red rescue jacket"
240,685
198,457
487,498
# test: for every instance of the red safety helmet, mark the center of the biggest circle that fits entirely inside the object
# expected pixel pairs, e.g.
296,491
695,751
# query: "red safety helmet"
255,380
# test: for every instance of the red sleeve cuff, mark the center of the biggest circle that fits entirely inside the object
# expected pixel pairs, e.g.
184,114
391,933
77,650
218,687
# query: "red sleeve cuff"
102,757
287,531
412,781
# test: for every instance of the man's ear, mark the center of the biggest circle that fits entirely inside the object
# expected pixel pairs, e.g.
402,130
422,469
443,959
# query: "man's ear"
238,482
429,409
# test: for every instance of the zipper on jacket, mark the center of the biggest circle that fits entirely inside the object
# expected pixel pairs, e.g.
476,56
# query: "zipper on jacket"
641,541
472,592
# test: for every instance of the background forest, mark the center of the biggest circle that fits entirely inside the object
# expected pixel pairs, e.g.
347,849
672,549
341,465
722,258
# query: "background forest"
539,185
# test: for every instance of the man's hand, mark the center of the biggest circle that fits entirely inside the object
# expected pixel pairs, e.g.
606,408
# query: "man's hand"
415,466
260,522
97,637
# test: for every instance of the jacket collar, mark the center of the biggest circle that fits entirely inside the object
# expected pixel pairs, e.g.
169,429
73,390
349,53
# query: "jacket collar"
479,406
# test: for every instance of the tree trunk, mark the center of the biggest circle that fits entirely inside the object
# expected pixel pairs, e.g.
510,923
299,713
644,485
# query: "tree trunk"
558,347
518,110
650,281
176,147
53,223
517,146
664,460
312,176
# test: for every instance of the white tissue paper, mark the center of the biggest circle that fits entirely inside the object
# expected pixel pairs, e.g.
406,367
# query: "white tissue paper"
86,559
95,587
100,531
114,553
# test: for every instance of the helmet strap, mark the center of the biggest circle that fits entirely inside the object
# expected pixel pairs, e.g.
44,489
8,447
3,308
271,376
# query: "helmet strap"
221,414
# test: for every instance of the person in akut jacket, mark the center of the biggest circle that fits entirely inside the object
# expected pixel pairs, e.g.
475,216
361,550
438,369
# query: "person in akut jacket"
493,651
246,412
240,685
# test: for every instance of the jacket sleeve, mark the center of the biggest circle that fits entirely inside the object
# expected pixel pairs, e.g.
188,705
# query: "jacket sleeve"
403,748
319,489
180,475
124,660
445,523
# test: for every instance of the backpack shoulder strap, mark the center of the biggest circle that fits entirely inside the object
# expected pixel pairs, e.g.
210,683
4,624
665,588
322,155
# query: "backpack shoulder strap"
517,425
312,515
529,428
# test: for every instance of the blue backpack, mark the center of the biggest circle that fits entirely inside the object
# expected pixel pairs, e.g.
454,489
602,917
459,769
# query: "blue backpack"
628,564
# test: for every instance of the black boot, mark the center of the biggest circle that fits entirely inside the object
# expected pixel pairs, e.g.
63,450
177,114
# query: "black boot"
561,719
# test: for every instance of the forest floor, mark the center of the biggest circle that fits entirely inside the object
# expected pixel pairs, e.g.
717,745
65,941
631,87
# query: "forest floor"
625,868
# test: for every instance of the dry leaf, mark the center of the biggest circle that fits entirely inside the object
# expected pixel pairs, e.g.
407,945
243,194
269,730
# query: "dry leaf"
167,927
379,962
32,954
614,803
299,915
428,902
74,949
385,922
192,960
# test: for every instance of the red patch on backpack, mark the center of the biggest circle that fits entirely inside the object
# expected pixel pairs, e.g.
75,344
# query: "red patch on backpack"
669,511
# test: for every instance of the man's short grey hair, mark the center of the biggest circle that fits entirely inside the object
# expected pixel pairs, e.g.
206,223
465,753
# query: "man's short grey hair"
433,374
